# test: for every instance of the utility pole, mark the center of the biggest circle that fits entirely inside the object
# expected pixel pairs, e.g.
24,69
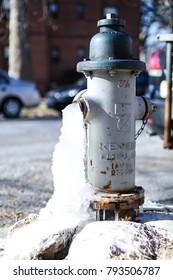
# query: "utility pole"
168,116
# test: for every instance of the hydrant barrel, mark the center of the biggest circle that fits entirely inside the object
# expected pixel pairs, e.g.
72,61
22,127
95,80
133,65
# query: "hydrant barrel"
110,101
111,130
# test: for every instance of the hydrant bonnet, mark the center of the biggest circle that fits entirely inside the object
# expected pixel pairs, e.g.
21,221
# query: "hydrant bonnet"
111,42
111,48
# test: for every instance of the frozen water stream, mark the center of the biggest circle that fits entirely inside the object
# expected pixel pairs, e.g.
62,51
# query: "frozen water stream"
69,205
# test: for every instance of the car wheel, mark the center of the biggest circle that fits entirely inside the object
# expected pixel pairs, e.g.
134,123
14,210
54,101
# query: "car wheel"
11,108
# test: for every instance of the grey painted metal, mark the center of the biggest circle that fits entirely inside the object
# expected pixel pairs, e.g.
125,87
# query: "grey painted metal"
111,107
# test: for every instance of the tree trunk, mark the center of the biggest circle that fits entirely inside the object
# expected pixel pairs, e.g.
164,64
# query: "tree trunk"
19,58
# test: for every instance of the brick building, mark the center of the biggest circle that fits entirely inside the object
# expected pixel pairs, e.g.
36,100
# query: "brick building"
60,38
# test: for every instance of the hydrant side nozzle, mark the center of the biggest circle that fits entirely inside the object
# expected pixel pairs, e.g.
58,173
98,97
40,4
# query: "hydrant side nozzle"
82,103
150,107
144,108
84,107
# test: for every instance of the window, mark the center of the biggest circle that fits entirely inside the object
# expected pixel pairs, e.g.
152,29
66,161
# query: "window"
3,80
6,9
53,8
81,53
6,54
55,55
80,11
110,10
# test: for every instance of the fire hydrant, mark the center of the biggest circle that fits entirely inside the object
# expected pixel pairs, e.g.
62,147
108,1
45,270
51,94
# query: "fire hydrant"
110,109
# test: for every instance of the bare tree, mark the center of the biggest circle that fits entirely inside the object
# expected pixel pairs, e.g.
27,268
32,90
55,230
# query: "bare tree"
156,17
19,62
19,49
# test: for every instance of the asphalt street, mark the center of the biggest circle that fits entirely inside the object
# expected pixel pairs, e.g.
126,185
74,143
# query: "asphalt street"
26,149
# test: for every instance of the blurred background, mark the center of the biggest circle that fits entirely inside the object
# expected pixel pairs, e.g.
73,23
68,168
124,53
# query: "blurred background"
42,41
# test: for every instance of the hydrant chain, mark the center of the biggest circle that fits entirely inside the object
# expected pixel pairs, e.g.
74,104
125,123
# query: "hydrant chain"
144,122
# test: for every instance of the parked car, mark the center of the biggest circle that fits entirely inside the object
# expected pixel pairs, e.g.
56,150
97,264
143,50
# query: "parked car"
15,94
61,97
157,90
142,83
